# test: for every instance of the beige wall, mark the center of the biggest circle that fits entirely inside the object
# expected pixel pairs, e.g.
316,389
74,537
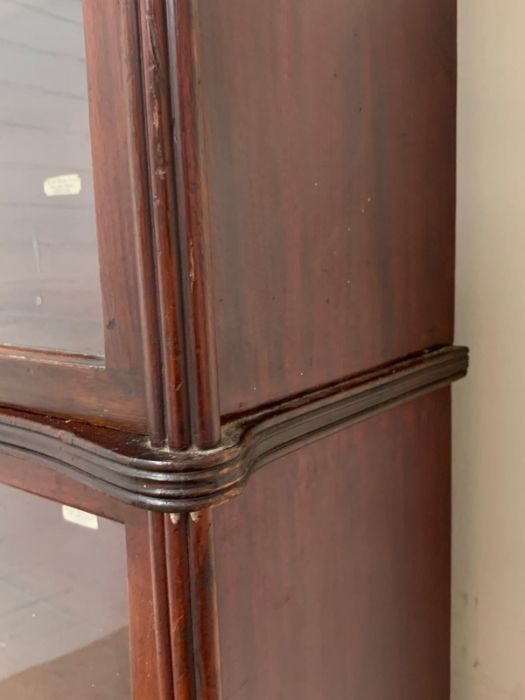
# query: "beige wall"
488,658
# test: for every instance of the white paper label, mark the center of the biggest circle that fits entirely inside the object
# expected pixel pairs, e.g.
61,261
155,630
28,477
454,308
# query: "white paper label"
63,185
80,517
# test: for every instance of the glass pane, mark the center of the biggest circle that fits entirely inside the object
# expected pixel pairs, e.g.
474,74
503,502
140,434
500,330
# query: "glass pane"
49,274
63,603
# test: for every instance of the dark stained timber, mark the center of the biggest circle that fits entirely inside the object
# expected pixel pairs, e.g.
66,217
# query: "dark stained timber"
274,194
127,467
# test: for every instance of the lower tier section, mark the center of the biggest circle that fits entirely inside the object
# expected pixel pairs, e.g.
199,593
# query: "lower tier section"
333,566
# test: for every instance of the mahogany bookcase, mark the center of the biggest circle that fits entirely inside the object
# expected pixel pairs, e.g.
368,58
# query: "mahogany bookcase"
254,383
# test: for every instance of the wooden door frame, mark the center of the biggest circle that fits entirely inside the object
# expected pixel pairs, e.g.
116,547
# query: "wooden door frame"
158,376
136,241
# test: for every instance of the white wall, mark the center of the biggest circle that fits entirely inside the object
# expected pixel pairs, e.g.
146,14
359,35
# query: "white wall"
488,658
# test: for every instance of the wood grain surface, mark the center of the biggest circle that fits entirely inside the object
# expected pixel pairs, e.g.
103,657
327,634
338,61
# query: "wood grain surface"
330,134
332,568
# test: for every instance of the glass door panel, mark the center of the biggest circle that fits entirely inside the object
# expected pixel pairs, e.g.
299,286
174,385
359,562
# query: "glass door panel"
49,274
63,603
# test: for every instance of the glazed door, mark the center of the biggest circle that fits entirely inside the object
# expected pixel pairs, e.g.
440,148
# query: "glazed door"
83,596
63,602
50,296
73,213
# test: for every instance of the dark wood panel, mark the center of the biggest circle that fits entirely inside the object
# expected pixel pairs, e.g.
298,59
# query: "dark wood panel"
330,130
332,568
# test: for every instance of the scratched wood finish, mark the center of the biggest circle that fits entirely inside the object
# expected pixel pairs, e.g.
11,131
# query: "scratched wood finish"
332,568
330,130
179,597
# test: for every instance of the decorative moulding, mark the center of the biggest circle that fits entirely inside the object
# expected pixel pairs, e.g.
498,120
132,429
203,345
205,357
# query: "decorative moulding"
126,467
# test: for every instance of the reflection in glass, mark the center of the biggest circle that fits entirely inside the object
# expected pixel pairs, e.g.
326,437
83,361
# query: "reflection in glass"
49,274
63,603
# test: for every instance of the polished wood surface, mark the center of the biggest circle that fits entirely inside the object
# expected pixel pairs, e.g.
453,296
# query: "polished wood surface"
274,194
206,642
330,137
179,600
168,409
149,612
191,166
332,568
